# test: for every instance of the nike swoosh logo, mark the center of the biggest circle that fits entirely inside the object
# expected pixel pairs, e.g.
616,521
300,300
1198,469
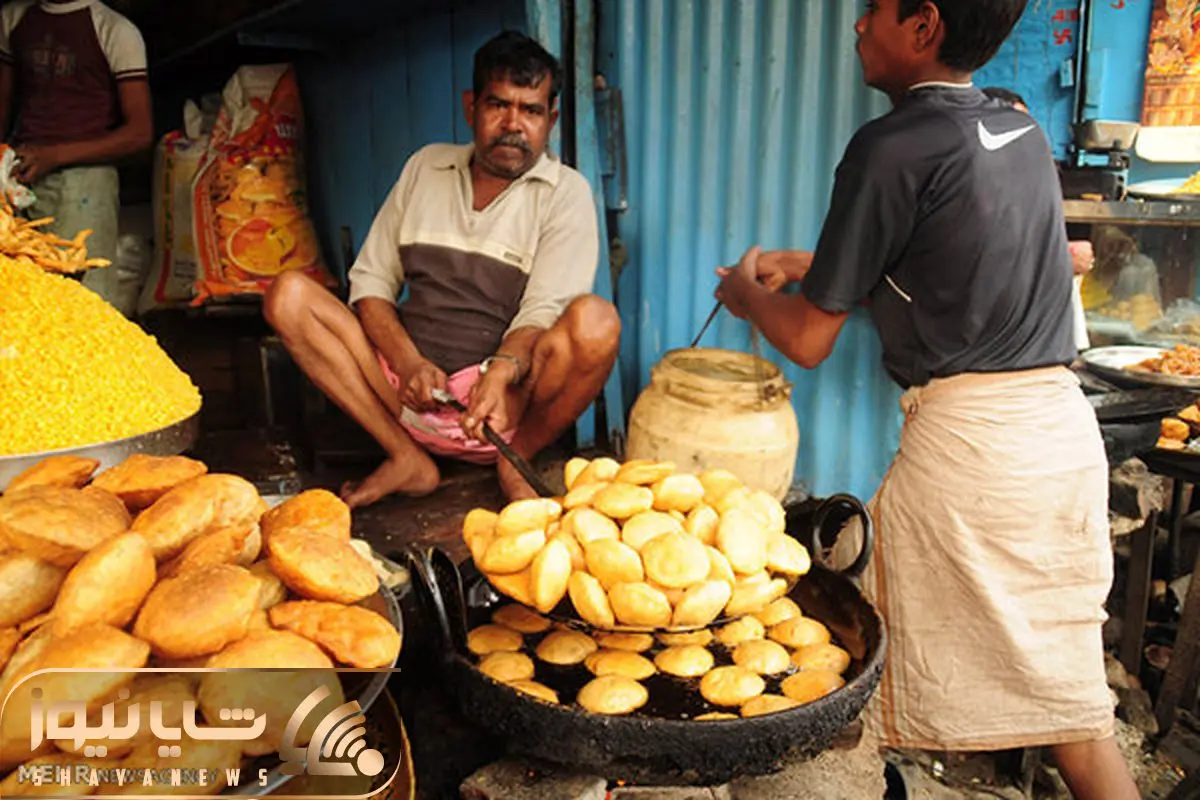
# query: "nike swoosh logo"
995,141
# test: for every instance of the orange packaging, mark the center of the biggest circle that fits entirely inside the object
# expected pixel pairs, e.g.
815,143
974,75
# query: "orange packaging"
250,209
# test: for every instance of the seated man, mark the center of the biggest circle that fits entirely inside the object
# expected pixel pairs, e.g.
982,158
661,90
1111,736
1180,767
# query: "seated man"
497,242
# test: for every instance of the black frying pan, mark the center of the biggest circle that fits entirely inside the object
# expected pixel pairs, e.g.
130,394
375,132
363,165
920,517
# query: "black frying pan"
646,749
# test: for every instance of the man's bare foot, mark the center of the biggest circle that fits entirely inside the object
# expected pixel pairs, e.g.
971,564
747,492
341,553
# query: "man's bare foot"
414,475
511,483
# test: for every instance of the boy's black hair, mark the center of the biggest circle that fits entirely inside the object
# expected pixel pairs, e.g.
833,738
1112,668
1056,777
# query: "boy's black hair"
1005,96
518,59
975,29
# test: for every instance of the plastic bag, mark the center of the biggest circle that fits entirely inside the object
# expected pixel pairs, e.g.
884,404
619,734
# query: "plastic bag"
19,195
249,199
173,270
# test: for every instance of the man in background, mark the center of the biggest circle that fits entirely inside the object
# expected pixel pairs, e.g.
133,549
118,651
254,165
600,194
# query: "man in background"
74,100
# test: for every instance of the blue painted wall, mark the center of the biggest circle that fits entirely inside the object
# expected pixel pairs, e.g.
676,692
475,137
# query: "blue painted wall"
369,107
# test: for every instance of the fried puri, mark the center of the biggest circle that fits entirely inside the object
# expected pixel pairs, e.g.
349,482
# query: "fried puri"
767,704
574,549
195,507
533,514
678,493
825,656
62,472
619,662
276,695
314,511
320,567
715,716
762,657
271,592
741,539
731,686
535,689
590,600
199,612
641,528
520,619
719,568
518,586
222,546
352,635
60,525
799,632
549,575
786,555
613,562
701,637
573,469
108,584
623,500
172,691
566,648
507,667
9,639
582,496
588,525
140,480
753,593
600,470
779,610
676,560
702,522
28,587
509,554
644,472
684,661
493,639
811,684
741,630
640,605
717,483
612,694
631,642
701,604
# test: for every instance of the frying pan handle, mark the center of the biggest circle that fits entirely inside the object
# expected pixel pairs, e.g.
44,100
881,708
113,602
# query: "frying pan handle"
421,564
843,503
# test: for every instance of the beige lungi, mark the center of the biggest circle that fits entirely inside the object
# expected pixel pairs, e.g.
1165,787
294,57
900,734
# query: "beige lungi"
991,567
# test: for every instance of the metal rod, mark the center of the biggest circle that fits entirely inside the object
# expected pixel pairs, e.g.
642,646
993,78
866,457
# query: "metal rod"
711,316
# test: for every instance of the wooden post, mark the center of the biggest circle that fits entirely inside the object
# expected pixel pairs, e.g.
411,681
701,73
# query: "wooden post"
1137,594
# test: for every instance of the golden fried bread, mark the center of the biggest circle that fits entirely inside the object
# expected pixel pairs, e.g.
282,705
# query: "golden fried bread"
678,493
741,630
613,562
63,472
28,587
600,470
631,642
811,684
741,498
172,691
1191,414
644,472
676,560
770,511
799,632
33,623
549,574
719,568
583,495
108,584
589,525
767,704
702,522
702,637
60,525
753,593
701,604
195,507
590,600
251,547
825,656
512,553
352,635
199,612
731,686
23,659
9,639
620,662
717,482
1175,429
623,500
493,639
517,586
640,605
271,592
140,480
222,546
573,469
762,656
684,661
779,610
507,667
566,648
639,529
741,539
715,716
479,528
533,514
520,619
612,694
276,695
786,555
574,549
535,689
314,511
320,567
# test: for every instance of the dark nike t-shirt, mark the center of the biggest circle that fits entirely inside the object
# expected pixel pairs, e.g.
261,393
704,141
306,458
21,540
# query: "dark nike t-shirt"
947,218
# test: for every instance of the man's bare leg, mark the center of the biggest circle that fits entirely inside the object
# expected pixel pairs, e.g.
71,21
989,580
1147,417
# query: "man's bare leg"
327,342
571,362
1095,770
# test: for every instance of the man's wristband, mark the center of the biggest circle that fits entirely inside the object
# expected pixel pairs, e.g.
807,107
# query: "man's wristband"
487,365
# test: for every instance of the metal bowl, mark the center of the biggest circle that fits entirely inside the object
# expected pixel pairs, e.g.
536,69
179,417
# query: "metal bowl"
1113,364
169,441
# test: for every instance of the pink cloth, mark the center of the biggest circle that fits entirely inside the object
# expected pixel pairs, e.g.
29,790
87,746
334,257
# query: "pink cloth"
440,432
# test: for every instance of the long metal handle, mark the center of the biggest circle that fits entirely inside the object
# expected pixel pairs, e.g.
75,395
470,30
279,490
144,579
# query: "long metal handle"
522,466
704,329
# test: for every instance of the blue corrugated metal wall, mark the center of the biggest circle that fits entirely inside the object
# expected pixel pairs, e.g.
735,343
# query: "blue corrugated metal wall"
368,108
736,115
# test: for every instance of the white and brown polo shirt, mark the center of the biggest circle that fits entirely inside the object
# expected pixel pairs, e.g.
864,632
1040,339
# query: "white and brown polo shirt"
473,276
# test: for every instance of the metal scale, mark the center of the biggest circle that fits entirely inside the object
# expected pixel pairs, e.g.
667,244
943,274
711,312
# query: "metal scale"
1098,159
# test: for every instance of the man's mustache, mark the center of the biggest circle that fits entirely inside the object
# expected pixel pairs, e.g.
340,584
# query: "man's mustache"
510,140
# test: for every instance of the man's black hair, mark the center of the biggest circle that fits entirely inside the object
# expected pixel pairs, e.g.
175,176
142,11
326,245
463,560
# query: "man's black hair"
1006,96
975,29
518,59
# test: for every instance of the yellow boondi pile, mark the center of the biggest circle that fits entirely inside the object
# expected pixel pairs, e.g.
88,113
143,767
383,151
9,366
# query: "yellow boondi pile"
73,371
